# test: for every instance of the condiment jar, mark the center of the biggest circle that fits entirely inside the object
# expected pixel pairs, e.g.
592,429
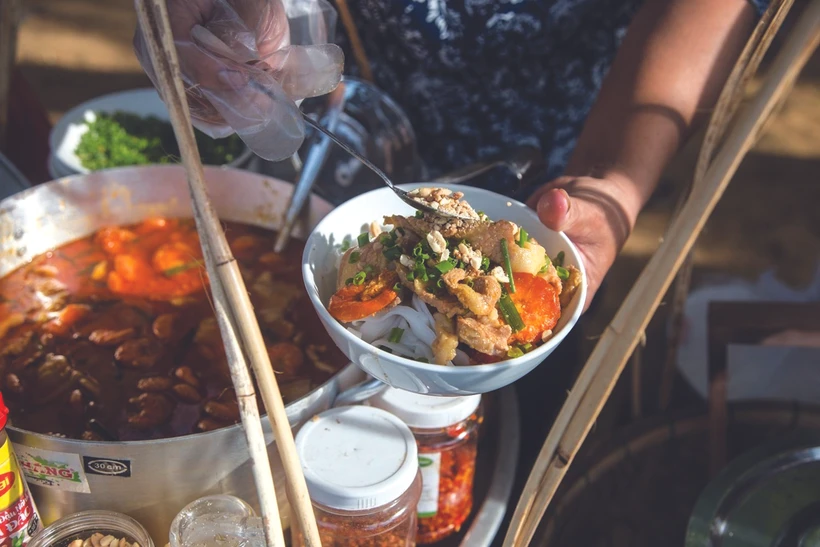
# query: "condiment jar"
93,529
217,520
446,429
18,514
361,469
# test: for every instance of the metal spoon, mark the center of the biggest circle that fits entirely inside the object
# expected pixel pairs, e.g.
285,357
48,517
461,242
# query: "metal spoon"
518,160
404,196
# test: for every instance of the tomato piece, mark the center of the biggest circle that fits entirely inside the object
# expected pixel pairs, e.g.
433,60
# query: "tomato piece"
538,304
347,304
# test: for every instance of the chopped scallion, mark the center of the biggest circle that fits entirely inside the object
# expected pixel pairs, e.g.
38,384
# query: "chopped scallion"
354,257
392,253
485,263
349,281
546,265
397,287
523,237
514,352
563,273
363,239
395,335
419,214
359,278
445,266
510,313
345,245
505,253
559,259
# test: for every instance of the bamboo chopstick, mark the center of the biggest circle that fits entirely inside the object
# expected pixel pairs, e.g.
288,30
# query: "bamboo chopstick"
237,322
604,366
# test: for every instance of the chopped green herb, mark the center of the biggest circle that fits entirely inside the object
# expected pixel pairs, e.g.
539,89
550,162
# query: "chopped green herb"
182,267
485,263
420,251
419,214
359,278
363,239
563,273
411,276
395,335
523,237
397,287
559,259
440,283
514,352
526,347
546,265
345,245
510,313
392,253
385,348
505,253
349,281
354,257
445,266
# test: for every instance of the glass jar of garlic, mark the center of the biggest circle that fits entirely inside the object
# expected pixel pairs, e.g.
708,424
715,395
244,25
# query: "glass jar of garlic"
94,529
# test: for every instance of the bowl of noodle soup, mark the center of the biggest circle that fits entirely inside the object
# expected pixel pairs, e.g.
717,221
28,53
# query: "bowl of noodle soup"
371,244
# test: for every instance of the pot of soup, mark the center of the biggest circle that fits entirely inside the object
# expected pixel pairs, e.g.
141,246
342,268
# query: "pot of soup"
110,358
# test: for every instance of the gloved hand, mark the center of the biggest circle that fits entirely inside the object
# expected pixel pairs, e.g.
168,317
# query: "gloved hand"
246,63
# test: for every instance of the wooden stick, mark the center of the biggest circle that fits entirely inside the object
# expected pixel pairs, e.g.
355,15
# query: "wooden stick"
9,17
239,323
604,366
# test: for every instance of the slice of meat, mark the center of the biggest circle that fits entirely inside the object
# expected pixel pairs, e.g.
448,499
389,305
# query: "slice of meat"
481,298
487,238
446,342
370,255
486,338
446,304
570,286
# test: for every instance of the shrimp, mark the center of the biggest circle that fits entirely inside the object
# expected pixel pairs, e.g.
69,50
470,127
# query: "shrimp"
353,302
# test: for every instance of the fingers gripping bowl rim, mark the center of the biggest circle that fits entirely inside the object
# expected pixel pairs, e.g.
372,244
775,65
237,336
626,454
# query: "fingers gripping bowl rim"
349,219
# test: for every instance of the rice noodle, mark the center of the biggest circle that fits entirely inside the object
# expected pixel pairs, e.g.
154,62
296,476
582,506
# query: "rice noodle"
419,331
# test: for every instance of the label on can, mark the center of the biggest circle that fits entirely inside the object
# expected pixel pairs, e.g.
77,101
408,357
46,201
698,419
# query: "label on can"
430,464
18,515
59,470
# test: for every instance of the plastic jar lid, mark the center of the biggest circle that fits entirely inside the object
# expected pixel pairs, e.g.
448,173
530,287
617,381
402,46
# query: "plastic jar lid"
424,411
357,457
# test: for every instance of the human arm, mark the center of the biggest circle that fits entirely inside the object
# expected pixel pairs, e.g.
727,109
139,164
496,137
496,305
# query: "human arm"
667,74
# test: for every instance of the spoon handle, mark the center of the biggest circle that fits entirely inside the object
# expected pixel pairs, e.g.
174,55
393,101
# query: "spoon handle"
349,150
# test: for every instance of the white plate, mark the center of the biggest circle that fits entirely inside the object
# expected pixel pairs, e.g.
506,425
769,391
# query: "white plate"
66,135
351,218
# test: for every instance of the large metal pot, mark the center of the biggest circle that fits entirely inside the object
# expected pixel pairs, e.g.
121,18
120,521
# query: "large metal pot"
151,480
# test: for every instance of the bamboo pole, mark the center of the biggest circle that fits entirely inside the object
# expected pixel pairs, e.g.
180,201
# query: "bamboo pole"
238,324
9,20
604,366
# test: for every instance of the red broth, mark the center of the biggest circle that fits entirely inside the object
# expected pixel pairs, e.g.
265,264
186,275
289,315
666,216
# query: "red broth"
113,336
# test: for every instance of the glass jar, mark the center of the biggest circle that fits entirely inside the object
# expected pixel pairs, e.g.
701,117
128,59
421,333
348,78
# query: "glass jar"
361,469
112,529
217,520
446,429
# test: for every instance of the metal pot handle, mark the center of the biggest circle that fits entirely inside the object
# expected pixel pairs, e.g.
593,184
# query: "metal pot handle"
359,393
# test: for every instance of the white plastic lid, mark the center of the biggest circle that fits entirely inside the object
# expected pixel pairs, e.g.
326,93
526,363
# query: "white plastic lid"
357,457
425,411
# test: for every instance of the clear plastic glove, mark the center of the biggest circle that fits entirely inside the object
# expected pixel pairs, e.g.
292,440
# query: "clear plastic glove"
246,64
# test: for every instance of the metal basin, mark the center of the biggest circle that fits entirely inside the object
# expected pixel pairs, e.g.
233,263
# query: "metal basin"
148,480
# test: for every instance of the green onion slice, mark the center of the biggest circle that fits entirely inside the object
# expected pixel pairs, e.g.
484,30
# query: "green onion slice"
354,257
395,335
523,237
363,239
559,259
359,278
510,313
563,273
445,266
505,253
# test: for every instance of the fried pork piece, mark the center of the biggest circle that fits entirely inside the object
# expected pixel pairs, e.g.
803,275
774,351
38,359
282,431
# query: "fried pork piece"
446,342
356,258
447,304
481,298
570,286
485,336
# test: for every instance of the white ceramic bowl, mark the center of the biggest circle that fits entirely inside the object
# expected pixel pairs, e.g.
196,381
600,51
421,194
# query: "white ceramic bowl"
66,134
351,219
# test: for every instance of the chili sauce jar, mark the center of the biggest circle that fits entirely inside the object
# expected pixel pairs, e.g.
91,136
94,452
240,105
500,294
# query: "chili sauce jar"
446,429
361,469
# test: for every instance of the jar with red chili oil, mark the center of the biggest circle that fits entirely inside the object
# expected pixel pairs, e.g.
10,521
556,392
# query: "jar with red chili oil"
361,469
446,429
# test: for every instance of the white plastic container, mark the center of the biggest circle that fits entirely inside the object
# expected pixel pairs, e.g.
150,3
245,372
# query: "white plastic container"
361,469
